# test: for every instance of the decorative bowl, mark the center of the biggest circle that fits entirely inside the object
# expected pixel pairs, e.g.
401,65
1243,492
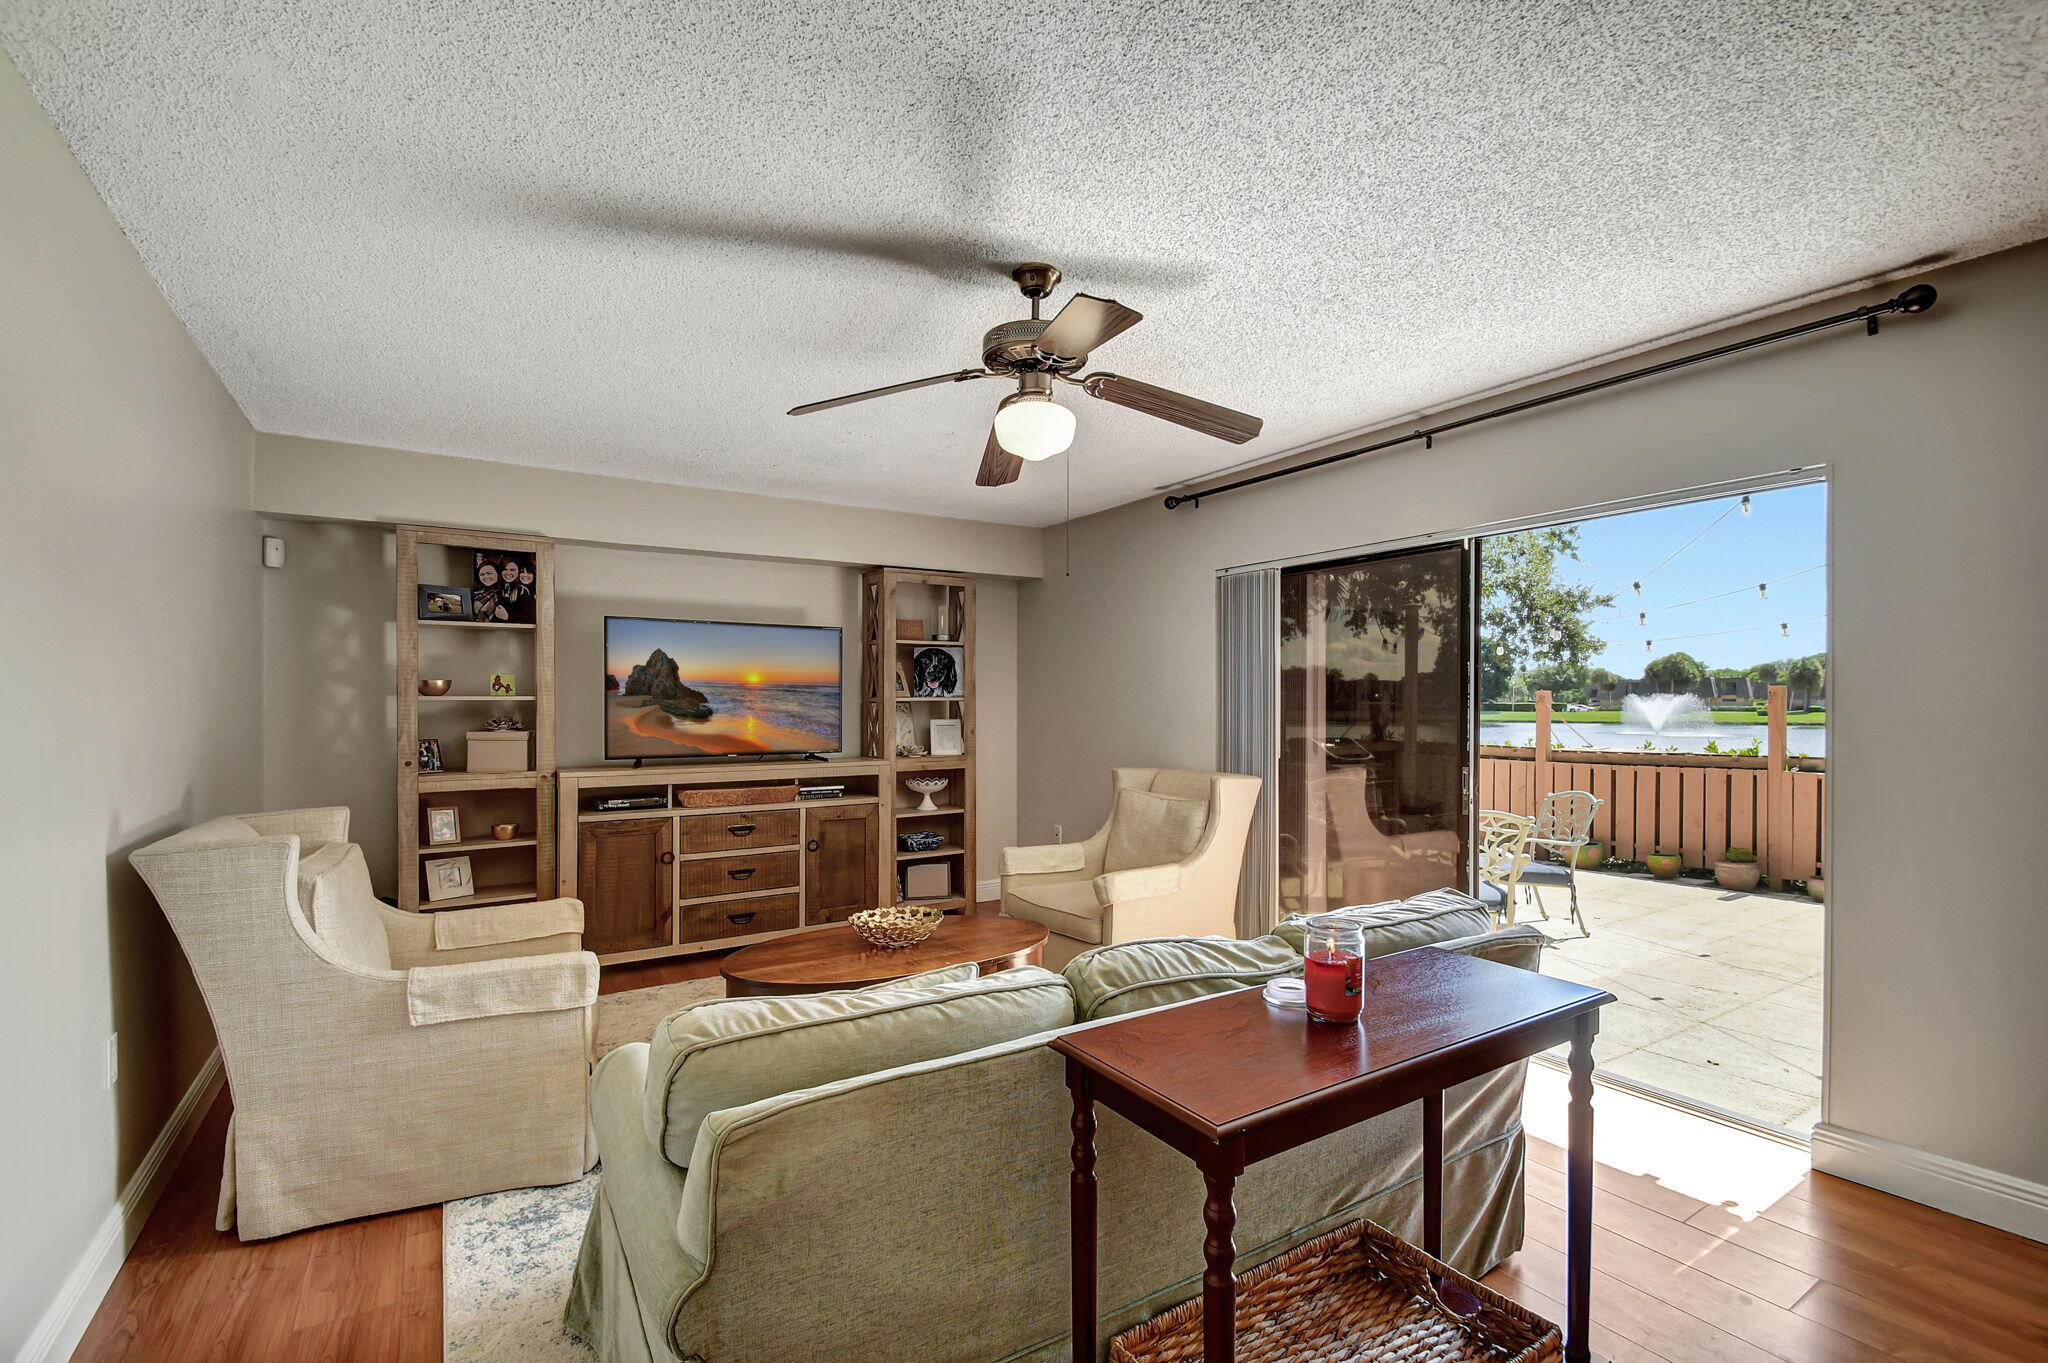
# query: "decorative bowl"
926,786
892,929
504,832
923,840
434,686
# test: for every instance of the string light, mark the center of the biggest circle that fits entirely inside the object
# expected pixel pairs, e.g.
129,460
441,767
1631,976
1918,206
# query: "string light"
1785,629
1646,644
1697,600
1745,503
1642,619
1638,586
1763,591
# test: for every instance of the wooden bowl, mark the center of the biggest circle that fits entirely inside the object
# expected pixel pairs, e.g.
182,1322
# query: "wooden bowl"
895,928
434,686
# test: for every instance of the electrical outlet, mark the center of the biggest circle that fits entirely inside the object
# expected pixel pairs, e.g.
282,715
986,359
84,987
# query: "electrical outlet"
113,1059
1058,834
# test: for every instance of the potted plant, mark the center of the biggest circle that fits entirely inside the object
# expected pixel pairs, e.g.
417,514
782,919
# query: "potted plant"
1590,856
1737,870
1817,885
1664,865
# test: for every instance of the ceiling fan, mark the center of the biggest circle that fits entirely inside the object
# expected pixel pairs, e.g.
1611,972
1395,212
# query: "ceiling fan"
1029,424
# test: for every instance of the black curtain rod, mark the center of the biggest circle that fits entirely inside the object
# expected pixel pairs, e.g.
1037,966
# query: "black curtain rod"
1919,298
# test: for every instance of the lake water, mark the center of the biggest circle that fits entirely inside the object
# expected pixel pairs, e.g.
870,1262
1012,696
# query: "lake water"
1800,740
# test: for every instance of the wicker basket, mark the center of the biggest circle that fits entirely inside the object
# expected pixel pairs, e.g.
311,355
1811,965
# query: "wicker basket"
723,797
1355,1295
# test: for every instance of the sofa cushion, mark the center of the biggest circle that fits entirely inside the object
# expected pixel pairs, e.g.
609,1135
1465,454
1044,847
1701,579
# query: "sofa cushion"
1150,829
1424,919
707,1058
1070,908
335,895
1130,976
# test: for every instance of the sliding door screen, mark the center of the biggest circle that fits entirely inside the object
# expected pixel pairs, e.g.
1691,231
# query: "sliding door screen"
1373,729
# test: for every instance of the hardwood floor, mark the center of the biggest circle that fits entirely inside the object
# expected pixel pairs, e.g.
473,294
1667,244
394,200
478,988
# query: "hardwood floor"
1711,1245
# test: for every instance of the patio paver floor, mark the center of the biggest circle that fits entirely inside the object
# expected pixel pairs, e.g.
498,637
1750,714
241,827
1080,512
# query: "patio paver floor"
1719,993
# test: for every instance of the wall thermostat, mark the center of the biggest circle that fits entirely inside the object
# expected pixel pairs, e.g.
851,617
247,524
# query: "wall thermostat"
273,551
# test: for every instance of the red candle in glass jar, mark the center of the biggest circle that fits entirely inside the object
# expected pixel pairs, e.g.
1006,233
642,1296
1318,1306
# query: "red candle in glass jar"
1335,981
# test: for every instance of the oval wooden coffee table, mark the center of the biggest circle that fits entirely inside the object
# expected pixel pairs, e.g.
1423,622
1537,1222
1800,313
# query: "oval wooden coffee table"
838,958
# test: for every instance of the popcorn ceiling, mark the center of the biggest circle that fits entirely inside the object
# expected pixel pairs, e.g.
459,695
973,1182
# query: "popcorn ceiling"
625,237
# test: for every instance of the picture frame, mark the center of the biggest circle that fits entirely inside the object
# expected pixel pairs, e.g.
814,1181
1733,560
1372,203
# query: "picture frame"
443,603
430,755
504,684
948,738
448,878
444,824
935,673
505,592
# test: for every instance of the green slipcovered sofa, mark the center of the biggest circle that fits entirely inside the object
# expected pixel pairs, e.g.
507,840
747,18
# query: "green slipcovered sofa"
882,1175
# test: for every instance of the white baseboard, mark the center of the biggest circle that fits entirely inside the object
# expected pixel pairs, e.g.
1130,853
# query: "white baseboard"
2003,1200
988,891
64,1323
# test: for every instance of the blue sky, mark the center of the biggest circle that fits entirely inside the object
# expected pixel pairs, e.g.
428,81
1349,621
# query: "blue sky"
1786,531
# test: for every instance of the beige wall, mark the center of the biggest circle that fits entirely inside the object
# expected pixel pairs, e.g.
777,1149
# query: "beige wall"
334,481
130,695
1937,431
329,639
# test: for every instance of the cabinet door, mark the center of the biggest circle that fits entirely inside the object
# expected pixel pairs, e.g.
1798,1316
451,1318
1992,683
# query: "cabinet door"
839,862
625,876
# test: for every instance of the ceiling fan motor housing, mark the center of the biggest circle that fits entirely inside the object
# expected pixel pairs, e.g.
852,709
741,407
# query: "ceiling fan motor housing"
1011,348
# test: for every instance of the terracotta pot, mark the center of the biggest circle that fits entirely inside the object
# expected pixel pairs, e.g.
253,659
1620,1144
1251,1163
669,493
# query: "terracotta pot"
1818,888
1740,876
1590,857
433,686
1663,865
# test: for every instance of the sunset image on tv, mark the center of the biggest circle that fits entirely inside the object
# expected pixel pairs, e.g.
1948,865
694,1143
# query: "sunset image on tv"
701,688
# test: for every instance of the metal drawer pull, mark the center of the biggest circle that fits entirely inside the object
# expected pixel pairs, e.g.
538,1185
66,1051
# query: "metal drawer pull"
740,830
811,846
739,920
743,872
667,857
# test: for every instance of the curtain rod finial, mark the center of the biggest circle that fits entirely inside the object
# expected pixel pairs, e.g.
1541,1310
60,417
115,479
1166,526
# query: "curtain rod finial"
1919,298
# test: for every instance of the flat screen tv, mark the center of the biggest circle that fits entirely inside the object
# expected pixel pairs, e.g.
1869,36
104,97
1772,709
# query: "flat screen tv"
710,688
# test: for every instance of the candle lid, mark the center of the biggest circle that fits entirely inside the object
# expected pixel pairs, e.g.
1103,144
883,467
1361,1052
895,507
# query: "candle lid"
1286,992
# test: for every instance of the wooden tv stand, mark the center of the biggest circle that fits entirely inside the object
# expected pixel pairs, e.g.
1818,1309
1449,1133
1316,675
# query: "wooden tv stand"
682,878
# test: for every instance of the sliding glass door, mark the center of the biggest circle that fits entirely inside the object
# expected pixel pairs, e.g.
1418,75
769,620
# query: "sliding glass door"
1374,728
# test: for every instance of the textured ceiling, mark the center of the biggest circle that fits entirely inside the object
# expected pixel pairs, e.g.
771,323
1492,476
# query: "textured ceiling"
624,237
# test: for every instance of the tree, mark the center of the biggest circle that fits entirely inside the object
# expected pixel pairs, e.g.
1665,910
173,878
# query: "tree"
1564,681
1805,676
1600,679
1767,673
1674,672
1528,613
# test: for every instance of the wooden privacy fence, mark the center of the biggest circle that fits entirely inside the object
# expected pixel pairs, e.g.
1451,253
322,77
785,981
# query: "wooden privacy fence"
1697,805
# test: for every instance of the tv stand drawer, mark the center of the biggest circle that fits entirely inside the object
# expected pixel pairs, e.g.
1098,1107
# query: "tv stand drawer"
737,917
730,832
739,875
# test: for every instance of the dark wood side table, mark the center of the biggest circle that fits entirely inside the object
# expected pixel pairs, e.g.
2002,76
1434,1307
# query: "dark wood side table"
1232,1080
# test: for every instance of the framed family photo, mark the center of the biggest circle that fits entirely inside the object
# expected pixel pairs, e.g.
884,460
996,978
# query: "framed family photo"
448,878
443,603
444,824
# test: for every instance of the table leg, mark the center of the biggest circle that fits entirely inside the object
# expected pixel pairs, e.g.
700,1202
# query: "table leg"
1433,1174
1219,1280
1578,1232
1081,1206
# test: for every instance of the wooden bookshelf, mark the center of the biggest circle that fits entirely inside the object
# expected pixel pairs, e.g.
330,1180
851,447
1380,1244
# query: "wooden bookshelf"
467,651
944,604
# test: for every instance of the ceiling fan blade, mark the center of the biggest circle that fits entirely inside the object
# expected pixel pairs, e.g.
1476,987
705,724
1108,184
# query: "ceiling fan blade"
1179,408
1085,323
998,465
960,377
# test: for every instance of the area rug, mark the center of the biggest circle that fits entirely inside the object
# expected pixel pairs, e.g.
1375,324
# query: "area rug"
507,1258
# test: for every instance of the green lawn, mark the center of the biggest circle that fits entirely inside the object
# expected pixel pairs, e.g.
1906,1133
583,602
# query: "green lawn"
1560,716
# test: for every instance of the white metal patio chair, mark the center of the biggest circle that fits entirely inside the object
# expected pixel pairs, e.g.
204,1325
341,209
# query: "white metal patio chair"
1563,825
1503,855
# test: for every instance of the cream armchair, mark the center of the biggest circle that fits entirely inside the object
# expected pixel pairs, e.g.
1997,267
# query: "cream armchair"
377,1059
1166,864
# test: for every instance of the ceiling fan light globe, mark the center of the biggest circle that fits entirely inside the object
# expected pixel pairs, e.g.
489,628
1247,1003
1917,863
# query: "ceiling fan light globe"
1032,426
